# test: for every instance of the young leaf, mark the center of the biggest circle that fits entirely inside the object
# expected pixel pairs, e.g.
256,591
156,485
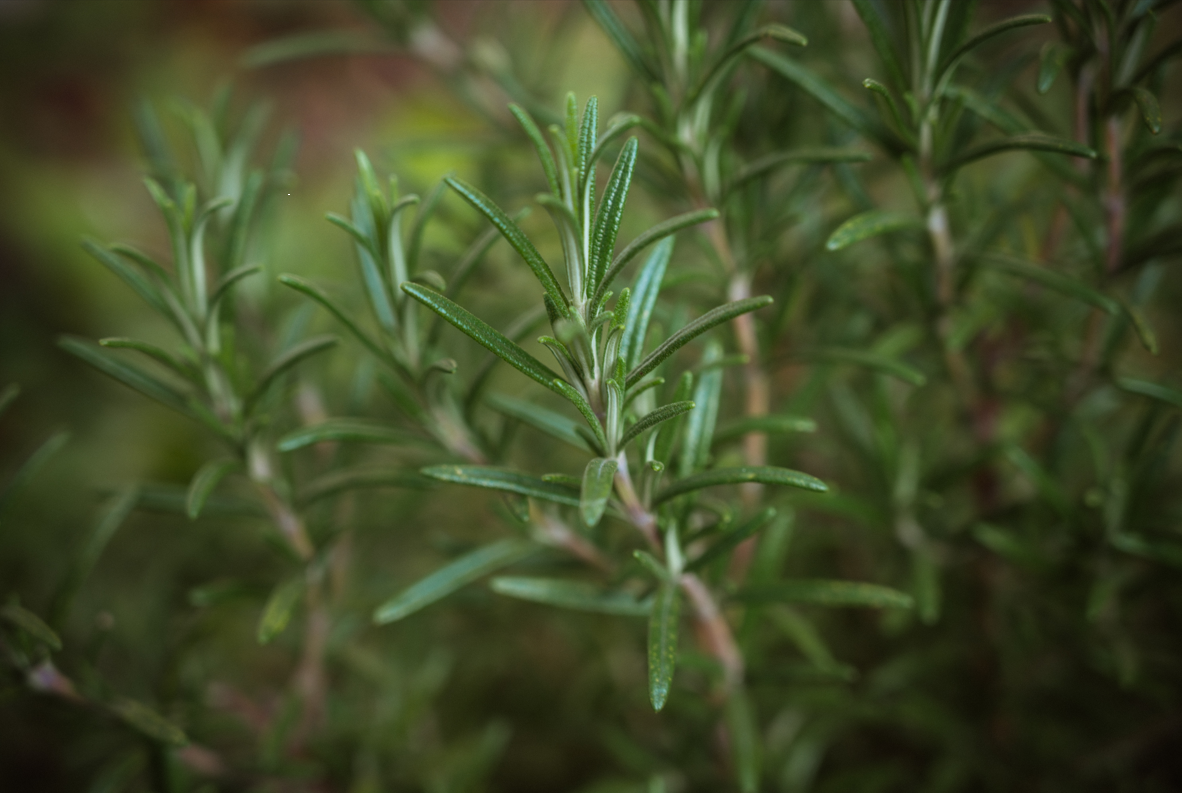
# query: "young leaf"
611,210
451,577
553,424
732,538
31,624
1028,141
870,360
284,362
318,294
781,33
657,232
661,414
357,478
694,329
668,434
644,298
515,236
598,477
508,481
575,595
662,642
484,334
131,376
584,407
869,224
1150,110
826,592
149,723
874,17
768,424
766,474
204,481
348,430
699,428
279,608
540,146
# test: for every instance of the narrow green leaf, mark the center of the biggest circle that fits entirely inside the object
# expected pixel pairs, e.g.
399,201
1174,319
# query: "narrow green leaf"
584,407
553,424
321,297
204,481
31,624
484,334
1045,276
642,241
662,642
8,396
515,237
732,539
619,124
745,739
827,592
1028,141
870,360
588,129
694,329
598,478
728,58
670,432
869,224
131,376
650,563
229,280
644,297
540,146
805,156
317,44
88,551
139,284
824,93
766,474
288,359
451,577
149,723
1141,326
279,608
1146,388
31,466
575,595
505,480
1051,60
699,427
238,237
185,369
611,211
875,19
606,18
1150,110
993,30
345,430
358,478
768,424
658,416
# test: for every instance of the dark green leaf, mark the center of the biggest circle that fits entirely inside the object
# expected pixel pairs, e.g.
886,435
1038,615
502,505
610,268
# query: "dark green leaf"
31,624
768,424
358,478
1145,388
448,579
149,723
484,334
575,595
1029,141
284,362
1041,274
584,407
670,432
870,360
1150,110
89,550
279,608
502,479
318,294
553,424
699,427
29,468
875,18
661,414
348,430
515,236
598,478
732,538
805,156
744,736
203,483
732,54
694,329
657,232
766,474
993,30
139,284
644,298
869,224
130,376
8,396
826,592
1051,59
611,210
185,370
662,642
606,18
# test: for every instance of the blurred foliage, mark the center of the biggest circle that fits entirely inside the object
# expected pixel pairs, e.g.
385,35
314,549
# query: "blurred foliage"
968,216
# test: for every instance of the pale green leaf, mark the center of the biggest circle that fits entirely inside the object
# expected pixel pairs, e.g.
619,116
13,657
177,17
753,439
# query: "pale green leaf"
769,424
643,298
827,592
279,608
1027,141
662,642
575,595
767,475
204,481
553,424
658,416
505,480
642,241
872,223
346,430
598,478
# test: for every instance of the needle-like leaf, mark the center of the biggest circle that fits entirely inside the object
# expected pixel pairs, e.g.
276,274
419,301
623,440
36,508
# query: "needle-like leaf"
826,592
661,414
871,223
662,642
279,608
575,595
505,480
767,475
204,481
598,477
